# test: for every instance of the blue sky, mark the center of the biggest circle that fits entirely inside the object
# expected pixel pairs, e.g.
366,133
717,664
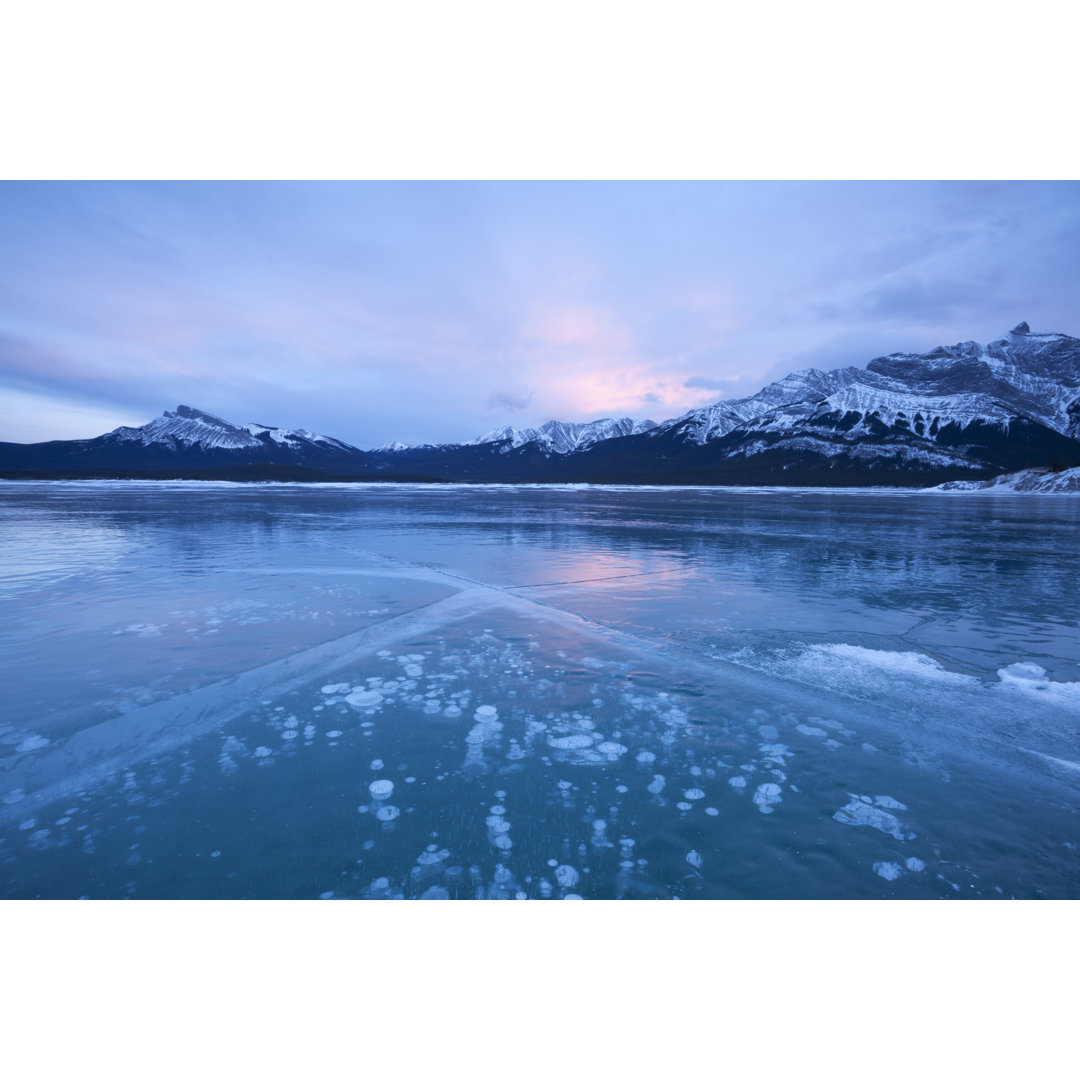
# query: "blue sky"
434,311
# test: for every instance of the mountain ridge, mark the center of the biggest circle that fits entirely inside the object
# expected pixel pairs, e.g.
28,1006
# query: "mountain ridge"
965,411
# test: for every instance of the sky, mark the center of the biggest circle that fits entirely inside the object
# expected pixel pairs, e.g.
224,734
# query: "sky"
433,312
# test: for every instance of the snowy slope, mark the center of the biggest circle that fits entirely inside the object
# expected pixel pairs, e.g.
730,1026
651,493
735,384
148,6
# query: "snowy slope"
1027,480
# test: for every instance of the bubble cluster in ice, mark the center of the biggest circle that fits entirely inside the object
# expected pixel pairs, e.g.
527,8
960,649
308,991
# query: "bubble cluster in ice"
861,810
890,871
766,796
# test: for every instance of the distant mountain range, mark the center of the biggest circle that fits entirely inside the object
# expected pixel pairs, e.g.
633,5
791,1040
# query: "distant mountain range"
960,412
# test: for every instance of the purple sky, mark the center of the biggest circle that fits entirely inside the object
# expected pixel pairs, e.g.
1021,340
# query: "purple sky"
436,311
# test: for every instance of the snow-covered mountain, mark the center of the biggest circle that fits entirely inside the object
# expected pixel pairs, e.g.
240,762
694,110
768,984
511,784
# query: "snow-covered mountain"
187,428
1021,375
563,437
186,441
1011,402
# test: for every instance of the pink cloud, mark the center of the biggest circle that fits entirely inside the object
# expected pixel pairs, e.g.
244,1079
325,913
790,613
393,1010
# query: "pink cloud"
578,326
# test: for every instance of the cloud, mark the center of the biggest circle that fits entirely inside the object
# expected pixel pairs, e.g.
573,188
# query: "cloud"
704,383
509,401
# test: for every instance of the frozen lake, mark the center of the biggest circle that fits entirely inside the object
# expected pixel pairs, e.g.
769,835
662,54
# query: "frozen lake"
216,690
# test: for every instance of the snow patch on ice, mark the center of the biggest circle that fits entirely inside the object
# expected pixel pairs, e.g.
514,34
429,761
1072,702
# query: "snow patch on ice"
32,742
1032,679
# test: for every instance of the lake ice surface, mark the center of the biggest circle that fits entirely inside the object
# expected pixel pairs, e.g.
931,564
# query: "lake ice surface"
216,690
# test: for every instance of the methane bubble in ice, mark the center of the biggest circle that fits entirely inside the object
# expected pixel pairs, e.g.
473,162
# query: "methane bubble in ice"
766,795
645,757
693,858
612,749
915,865
860,812
364,699
890,871
387,813
694,793
737,782
889,802
566,876
570,742
263,751
381,789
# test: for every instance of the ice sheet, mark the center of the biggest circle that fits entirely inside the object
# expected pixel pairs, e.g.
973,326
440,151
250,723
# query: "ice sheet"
532,694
